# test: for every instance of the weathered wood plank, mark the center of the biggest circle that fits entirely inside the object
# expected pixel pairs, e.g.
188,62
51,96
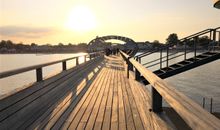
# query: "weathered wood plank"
135,113
114,117
79,115
128,112
107,117
121,111
93,107
69,114
99,108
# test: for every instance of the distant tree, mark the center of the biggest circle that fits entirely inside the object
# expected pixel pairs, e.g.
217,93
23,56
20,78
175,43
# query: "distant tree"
204,41
60,44
33,45
156,44
172,39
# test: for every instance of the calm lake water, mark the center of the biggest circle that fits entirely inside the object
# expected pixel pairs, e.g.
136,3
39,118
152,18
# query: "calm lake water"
203,81
15,61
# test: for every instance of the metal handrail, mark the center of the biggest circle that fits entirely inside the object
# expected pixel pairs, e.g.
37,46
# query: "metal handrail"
183,40
39,67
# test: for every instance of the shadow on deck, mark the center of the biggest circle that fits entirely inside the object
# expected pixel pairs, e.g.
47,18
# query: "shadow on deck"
95,95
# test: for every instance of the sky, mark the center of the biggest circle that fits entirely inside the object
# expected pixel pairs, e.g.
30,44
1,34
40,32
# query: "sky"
77,21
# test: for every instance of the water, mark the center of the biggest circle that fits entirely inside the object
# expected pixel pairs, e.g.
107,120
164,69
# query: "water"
203,81
14,61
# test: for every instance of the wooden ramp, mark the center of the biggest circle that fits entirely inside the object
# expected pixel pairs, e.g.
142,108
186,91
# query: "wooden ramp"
107,101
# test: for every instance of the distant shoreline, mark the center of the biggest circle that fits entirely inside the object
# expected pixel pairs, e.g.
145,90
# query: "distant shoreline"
41,53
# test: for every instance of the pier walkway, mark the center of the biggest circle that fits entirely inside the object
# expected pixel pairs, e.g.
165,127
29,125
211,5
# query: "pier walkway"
99,96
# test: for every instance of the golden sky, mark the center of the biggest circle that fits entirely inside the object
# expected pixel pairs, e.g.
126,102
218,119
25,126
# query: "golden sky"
74,21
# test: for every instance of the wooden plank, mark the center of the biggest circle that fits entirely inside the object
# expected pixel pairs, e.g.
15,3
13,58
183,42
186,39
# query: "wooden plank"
122,120
82,110
69,114
101,112
135,113
98,113
93,107
114,117
128,112
107,117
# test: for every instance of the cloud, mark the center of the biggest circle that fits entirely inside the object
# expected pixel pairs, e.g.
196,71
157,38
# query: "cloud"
25,32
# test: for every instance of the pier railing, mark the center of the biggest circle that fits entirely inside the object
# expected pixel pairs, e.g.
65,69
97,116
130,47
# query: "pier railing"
39,70
194,115
189,44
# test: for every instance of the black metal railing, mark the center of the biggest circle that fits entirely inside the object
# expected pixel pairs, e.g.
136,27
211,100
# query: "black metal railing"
39,70
189,45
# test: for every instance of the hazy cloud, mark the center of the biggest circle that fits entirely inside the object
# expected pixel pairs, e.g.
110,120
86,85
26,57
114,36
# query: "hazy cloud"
27,32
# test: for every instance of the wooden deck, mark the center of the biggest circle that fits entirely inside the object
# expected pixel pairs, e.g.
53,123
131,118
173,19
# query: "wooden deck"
105,99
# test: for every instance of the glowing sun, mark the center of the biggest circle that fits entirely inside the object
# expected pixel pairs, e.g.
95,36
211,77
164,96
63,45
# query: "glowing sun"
81,19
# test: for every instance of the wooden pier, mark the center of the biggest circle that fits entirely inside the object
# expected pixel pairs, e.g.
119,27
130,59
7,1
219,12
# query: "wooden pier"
98,94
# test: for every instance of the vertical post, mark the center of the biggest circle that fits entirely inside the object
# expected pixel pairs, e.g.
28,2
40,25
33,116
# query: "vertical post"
210,35
64,65
185,42
161,54
219,36
39,74
203,102
211,106
77,61
137,73
90,56
130,66
214,35
156,101
84,58
139,60
195,46
167,55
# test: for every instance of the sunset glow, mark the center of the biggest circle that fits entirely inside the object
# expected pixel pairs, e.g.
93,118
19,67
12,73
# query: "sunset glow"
81,19
77,21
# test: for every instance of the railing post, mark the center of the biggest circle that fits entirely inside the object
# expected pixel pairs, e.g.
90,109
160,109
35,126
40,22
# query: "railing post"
130,67
77,61
210,35
137,73
84,58
156,101
167,55
39,74
214,35
161,55
90,56
185,42
219,36
195,46
64,65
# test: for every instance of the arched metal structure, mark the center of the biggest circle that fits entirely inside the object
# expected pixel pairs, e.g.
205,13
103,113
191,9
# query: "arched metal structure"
217,4
130,45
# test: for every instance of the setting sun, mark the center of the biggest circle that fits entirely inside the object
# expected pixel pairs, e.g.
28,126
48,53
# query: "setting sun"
81,19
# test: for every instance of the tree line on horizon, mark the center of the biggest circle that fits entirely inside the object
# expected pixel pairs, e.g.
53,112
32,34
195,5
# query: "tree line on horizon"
7,46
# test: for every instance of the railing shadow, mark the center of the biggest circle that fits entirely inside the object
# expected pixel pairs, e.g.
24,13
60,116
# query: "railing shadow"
59,112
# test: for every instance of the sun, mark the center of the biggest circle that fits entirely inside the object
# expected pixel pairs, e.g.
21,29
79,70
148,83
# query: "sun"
81,19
